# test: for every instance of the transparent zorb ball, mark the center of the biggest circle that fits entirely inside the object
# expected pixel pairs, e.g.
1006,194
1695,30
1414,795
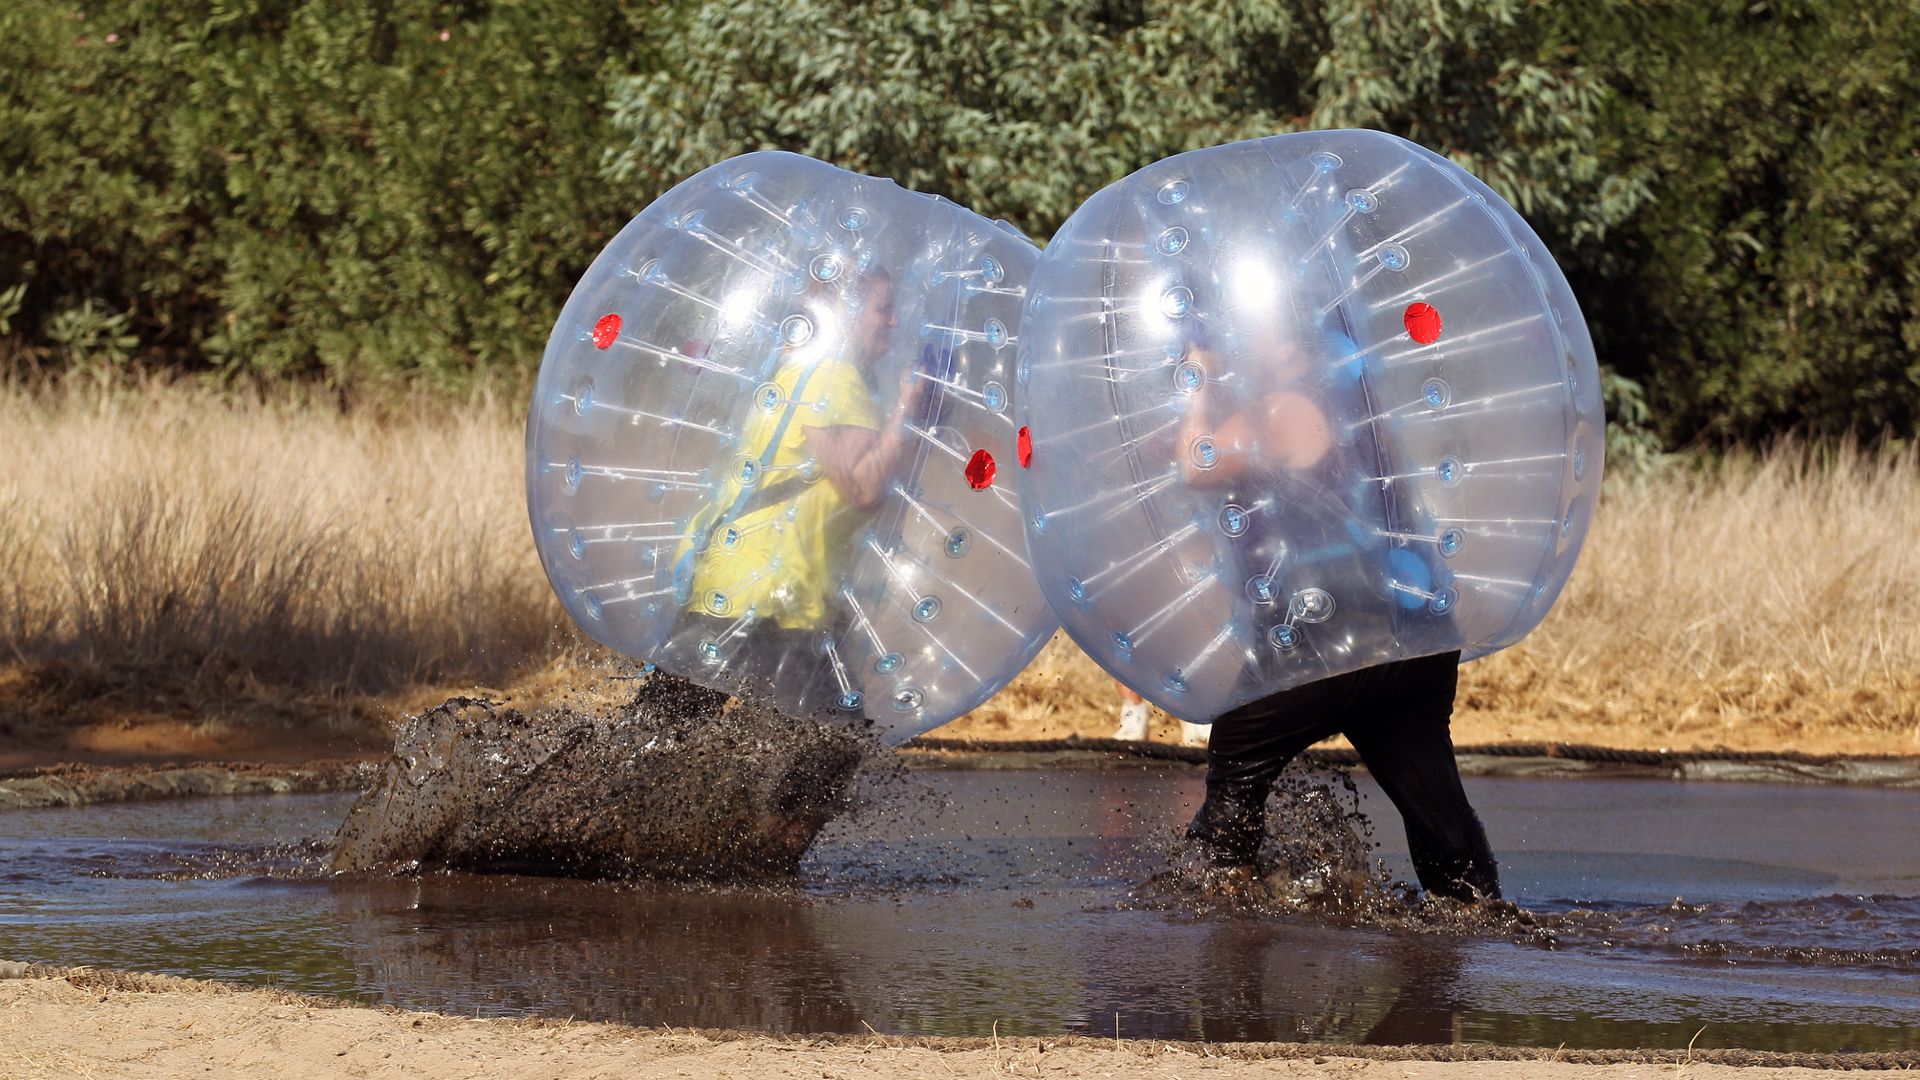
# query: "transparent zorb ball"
1299,406
768,445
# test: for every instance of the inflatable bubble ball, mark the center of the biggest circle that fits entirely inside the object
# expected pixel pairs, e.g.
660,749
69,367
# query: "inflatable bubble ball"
1299,406
769,443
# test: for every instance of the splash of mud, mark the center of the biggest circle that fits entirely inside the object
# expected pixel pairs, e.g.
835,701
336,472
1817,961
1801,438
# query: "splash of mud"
1317,860
679,783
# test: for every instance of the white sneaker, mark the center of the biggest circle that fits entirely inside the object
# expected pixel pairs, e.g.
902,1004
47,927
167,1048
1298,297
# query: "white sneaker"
1133,722
1194,734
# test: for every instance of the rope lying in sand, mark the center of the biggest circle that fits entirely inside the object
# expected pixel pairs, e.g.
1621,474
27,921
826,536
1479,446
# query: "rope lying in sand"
1559,751
1887,1060
109,981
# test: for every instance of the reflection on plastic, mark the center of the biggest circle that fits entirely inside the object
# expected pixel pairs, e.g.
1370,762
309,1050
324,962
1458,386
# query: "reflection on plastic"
1299,406
761,448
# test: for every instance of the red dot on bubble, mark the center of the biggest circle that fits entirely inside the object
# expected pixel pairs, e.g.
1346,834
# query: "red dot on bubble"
605,331
1423,323
1024,446
980,470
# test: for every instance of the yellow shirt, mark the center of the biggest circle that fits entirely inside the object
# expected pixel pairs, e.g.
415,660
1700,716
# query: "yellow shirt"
780,560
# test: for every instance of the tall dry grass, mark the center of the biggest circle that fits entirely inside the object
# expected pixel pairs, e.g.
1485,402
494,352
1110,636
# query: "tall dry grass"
165,541
1762,600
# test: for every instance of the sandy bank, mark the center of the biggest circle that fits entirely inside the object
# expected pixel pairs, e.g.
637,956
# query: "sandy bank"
80,1023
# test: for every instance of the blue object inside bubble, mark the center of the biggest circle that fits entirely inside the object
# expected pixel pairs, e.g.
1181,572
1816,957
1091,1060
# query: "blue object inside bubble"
1412,576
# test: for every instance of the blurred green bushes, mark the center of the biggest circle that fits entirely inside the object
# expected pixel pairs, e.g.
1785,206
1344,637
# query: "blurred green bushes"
352,188
366,191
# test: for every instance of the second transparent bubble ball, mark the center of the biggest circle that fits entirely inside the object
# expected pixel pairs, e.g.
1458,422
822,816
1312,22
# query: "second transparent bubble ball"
1299,406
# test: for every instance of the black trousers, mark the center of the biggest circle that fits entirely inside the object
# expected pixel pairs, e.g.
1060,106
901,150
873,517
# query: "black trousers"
1396,715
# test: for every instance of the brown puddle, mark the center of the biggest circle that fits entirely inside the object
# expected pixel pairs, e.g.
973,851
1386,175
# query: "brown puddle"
1039,902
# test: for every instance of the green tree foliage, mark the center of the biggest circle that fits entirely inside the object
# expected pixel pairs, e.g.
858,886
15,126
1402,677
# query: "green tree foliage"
360,189
352,188
1721,179
1771,284
1023,108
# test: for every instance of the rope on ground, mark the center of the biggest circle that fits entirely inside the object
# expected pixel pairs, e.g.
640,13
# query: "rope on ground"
1562,751
1851,1060
110,981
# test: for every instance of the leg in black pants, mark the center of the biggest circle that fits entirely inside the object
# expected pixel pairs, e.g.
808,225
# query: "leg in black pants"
1247,751
1402,736
1396,716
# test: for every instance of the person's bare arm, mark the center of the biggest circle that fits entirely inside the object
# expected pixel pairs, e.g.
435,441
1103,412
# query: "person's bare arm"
860,462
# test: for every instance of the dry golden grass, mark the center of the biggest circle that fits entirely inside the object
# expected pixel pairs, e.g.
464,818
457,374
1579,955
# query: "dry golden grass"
170,553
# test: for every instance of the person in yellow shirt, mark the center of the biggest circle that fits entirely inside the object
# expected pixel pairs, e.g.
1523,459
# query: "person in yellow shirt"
815,460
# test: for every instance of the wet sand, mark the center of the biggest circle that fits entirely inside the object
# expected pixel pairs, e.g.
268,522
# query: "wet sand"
61,1024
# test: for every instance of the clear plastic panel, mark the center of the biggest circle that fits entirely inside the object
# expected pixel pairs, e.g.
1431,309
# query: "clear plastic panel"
771,439
1301,405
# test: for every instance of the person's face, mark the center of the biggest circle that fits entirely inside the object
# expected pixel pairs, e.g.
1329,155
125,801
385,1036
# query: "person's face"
873,327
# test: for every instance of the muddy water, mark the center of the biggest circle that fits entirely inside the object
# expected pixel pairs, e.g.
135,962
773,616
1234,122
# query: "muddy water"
1016,900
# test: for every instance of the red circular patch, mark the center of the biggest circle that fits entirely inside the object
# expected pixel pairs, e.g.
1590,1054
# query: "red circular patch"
1023,446
980,470
604,331
1423,323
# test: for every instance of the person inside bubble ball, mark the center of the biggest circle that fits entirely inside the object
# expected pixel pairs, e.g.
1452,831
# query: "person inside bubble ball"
1396,714
815,459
